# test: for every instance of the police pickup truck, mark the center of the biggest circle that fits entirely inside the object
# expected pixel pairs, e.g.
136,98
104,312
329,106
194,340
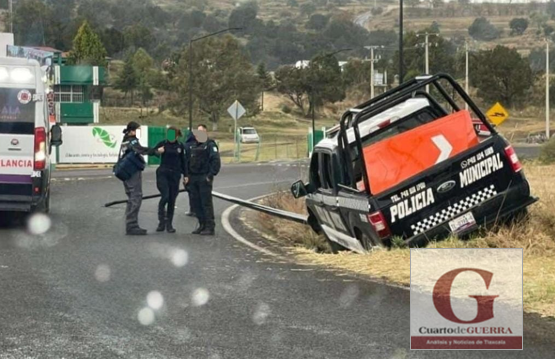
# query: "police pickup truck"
412,164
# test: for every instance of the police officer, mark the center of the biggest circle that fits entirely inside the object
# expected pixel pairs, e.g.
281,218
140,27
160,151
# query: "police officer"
168,177
204,164
134,185
188,143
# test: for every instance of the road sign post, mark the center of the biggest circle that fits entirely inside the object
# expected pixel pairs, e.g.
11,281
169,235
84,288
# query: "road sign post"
236,111
497,114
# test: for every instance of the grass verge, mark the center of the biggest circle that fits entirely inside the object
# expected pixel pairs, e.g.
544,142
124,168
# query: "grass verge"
536,236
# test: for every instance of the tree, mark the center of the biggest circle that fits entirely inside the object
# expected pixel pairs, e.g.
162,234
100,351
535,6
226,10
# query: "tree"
482,29
222,73
113,40
412,3
501,75
244,15
308,9
32,23
518,25
317,22
356,75
142,62
291,82
87,48
551,8
548,30
127,80
323,81
264,77
137,36
540,19
437,3
265,80
441,55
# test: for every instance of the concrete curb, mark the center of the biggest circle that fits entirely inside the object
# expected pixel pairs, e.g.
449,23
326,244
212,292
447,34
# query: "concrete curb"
69,167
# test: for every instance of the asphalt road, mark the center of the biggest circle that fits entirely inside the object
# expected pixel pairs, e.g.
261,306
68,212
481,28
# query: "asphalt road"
82,289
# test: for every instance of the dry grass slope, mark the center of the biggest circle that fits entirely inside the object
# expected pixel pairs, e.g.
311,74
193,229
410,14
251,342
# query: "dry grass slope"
536,236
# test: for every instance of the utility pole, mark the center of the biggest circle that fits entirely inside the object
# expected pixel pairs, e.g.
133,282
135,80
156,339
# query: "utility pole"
401,66
466,71
427,57
11,16
547,88
372,75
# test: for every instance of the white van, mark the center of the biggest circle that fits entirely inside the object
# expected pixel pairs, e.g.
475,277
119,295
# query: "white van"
248,134
26,138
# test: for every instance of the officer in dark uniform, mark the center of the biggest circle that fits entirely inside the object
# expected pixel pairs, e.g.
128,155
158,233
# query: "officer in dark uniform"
134,185
204,164
188,143
173,165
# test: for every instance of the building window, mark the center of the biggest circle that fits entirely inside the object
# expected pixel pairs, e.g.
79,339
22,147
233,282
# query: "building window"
69,93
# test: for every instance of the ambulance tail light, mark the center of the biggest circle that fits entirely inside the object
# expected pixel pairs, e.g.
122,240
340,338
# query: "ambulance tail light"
513,159
40,149
377,220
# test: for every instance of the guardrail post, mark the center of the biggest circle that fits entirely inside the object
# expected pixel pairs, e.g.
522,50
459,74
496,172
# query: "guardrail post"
258,148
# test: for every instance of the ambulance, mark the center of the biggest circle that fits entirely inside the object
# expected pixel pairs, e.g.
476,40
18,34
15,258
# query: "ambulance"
26,137
412,165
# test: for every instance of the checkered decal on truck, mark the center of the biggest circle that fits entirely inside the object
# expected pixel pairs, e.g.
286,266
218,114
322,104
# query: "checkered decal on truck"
454,210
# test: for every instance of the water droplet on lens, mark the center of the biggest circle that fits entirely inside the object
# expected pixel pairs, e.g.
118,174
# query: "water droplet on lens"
155,300
102,273
179,258
146,316
39,224
200,297
261,314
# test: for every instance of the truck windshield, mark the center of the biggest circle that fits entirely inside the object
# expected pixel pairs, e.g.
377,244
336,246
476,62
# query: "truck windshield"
17,111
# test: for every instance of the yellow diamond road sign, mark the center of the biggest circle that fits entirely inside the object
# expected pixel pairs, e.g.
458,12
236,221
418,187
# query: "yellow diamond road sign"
497,114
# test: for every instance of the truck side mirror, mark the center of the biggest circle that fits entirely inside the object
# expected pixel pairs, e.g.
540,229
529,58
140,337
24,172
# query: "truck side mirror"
298,189
55,136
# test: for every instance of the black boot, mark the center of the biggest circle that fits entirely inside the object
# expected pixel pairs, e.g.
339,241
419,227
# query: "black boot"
199,229
169,227
207,232
161,221
169,219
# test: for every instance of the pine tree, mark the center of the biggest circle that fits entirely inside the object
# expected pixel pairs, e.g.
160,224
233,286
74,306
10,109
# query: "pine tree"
127,81
87,48
265,81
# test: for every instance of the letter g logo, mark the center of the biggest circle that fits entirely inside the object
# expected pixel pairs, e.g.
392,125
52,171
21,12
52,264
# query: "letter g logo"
442,297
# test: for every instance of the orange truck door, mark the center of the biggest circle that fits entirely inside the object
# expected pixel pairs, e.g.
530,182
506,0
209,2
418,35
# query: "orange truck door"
393,160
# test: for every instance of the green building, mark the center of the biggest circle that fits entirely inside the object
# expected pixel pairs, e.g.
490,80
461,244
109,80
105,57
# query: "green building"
77,89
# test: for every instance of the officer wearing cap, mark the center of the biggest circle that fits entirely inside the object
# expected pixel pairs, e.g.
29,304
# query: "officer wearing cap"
130,146
204,163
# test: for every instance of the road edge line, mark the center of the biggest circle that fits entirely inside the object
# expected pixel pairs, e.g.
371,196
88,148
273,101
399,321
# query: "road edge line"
229,229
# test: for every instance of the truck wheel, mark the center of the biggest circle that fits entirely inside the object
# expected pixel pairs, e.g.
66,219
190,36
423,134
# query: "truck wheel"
516,217
366,241
334,246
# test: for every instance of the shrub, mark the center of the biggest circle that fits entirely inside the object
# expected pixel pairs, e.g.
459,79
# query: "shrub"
547,154
286,109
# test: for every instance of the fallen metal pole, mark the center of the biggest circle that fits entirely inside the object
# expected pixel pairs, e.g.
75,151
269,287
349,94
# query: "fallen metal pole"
299,218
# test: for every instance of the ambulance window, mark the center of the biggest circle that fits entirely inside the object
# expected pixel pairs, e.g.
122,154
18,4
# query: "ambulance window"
315,170
17,111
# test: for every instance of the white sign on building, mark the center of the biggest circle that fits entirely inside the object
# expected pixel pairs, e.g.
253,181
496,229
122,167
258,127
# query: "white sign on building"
94,144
